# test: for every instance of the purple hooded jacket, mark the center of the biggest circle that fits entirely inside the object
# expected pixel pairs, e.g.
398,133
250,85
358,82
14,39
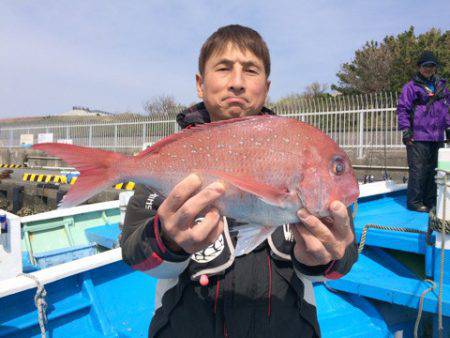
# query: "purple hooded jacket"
431,114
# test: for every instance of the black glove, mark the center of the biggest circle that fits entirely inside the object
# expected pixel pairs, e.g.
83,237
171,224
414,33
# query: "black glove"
447,135
407,137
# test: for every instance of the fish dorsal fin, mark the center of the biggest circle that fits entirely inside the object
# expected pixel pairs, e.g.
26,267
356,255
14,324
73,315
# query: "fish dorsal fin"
269,194
189,131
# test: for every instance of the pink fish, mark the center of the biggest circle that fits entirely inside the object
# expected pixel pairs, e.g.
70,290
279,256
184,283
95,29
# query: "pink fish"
271,166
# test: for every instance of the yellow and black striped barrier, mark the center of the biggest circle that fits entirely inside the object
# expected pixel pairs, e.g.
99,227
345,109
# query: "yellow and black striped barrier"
44,178
125,186
63,179
12,166
119,186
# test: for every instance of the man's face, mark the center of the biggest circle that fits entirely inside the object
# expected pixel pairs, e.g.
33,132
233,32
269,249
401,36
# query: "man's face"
234,84
427,71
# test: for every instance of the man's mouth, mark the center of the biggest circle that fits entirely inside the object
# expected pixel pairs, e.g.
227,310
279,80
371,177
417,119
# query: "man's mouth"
235,101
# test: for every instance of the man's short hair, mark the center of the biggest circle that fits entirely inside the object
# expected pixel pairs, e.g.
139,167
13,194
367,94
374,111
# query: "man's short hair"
244,38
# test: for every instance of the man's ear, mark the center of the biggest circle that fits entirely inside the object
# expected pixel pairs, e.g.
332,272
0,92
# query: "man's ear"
268,86
199,84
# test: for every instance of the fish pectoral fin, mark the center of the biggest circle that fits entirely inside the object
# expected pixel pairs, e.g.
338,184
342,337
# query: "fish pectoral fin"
269,194
250,236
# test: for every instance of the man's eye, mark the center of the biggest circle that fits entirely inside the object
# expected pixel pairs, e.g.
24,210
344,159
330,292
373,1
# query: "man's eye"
252,71
222,69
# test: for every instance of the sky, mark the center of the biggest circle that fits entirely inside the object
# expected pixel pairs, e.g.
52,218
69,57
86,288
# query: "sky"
116,55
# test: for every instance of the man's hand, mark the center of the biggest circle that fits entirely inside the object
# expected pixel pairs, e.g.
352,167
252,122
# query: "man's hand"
407,137
319,241
182,207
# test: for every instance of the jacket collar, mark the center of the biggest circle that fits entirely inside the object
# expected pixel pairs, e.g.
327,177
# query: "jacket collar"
197,114
422,81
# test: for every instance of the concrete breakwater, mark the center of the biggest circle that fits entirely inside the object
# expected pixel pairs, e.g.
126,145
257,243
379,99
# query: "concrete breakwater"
27,198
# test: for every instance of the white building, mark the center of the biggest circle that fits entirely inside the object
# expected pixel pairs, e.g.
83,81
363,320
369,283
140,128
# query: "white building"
84,111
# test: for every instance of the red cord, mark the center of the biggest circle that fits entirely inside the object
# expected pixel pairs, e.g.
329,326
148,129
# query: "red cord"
159,241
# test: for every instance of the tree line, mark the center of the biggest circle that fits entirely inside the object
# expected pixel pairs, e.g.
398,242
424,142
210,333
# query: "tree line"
389,64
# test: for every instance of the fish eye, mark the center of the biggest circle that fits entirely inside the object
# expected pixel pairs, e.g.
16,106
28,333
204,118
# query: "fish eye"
338,166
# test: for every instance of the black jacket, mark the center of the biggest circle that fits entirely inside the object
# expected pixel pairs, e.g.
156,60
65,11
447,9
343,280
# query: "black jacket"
266,293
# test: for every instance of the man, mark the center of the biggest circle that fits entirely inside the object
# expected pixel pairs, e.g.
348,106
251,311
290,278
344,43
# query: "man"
423,117
201,293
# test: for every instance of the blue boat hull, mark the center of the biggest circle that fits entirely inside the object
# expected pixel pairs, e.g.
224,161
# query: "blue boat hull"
111,301
378,298
115,301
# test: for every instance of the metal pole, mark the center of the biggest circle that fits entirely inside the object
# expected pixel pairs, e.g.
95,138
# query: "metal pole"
11,138
115,137
144,132
361,134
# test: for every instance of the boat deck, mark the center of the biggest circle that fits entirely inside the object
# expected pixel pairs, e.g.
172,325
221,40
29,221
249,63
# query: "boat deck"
390,210
379,297
382,275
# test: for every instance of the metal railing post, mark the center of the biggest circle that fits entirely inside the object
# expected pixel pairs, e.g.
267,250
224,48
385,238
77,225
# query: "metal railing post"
115,137
144,133
11,139
90,135
361,134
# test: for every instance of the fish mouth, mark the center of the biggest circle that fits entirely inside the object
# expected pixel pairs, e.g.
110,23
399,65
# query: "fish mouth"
322,207
353,196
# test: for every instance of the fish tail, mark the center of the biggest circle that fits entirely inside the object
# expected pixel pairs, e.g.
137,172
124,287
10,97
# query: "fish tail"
99,169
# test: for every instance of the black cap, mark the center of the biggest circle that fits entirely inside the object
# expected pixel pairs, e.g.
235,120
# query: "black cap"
427,58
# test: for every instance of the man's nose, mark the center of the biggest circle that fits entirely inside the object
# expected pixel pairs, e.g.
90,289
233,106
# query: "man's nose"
237,82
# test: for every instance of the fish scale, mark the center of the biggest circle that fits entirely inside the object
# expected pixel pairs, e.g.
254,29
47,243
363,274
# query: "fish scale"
271,166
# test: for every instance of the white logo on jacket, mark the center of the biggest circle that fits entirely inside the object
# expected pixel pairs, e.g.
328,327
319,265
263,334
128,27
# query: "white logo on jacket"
211,252
288,235
150,199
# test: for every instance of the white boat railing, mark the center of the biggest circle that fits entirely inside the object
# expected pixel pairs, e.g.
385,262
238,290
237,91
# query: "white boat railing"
382,187
82,209
20,283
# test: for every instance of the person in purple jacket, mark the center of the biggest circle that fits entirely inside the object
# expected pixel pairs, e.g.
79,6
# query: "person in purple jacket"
423,117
